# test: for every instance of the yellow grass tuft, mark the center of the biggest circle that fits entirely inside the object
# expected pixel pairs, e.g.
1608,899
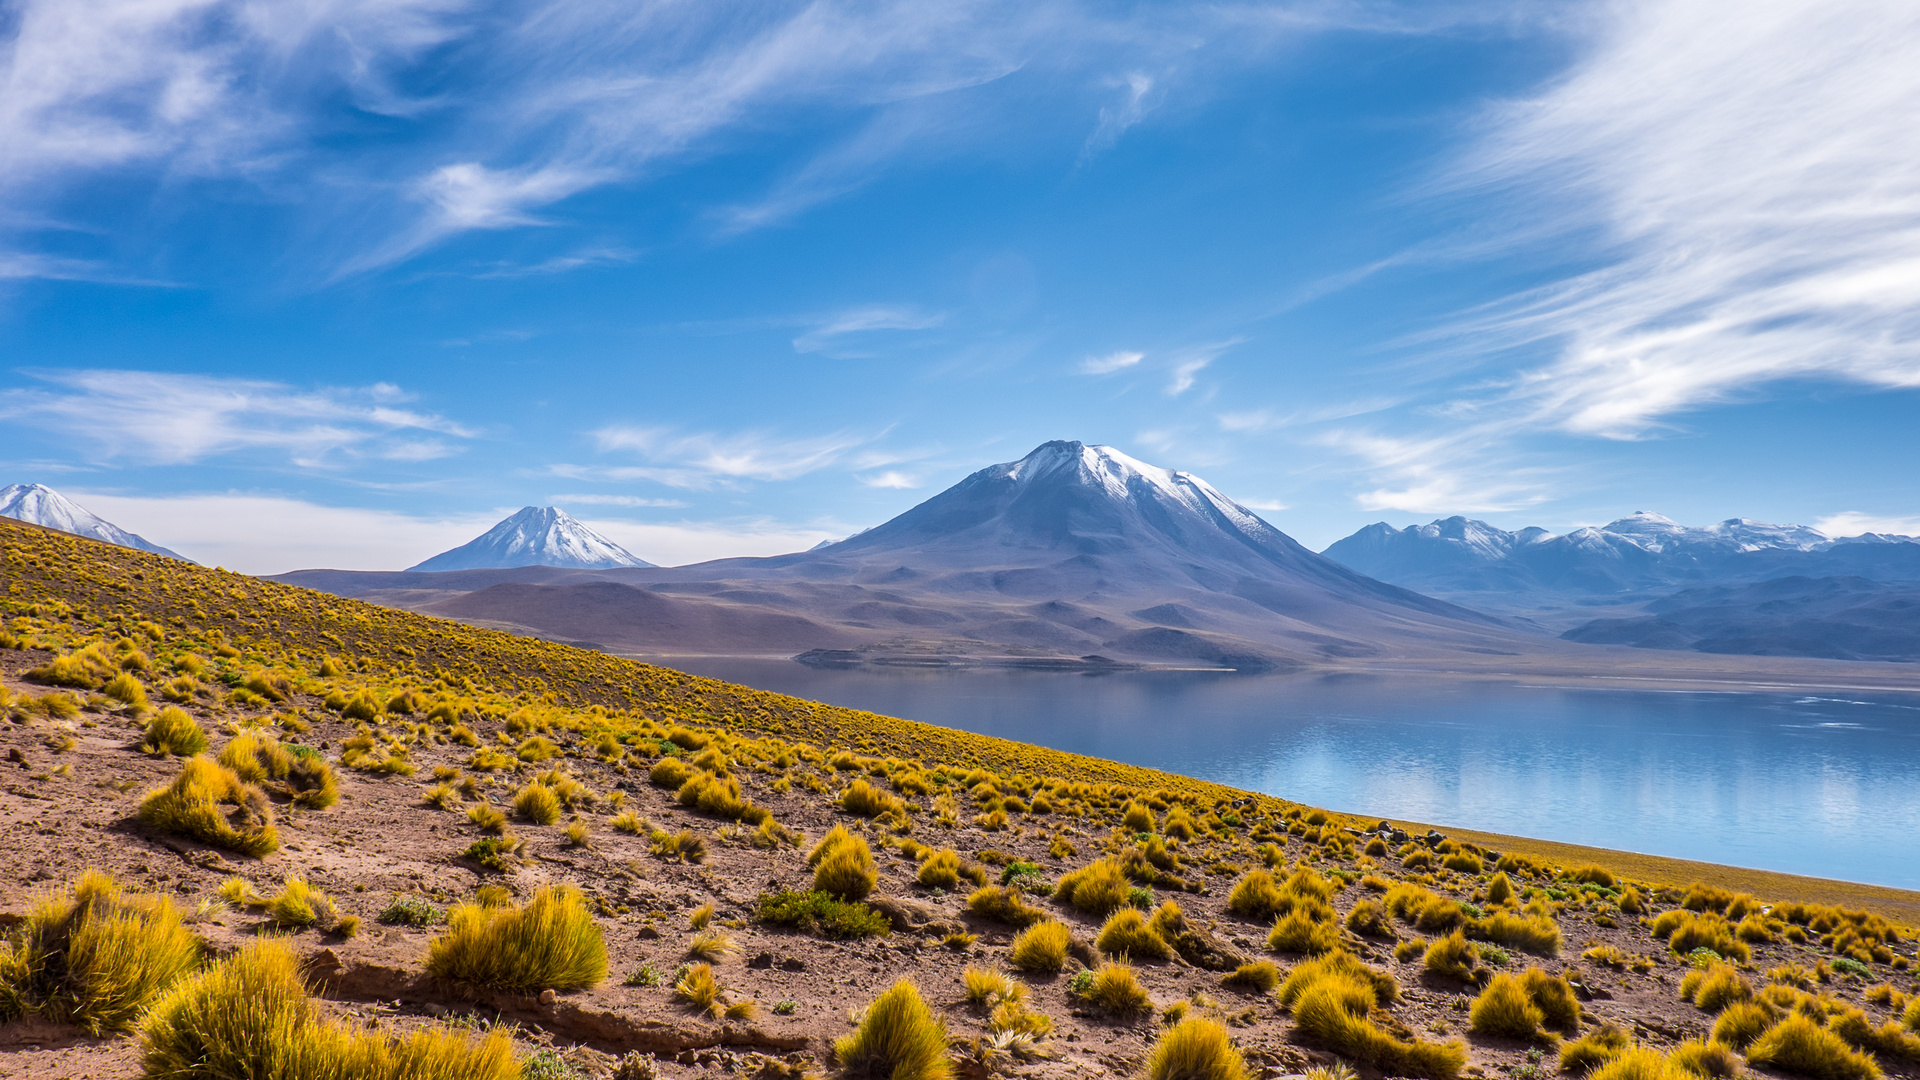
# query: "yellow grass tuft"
1799,1045
1259,977
898,1037
844,867
1592,1050
537,803
551,943
249,1016
1041,949
1332,1011
1099,888
1505,1009
173,732
94,956
1116,990
1126,934
1452,956
1195,1049
191,807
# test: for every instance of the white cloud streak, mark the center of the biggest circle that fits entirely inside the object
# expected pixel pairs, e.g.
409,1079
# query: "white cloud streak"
828,337
1110,363
1749,177
162,418
1854,523
542,101
707,459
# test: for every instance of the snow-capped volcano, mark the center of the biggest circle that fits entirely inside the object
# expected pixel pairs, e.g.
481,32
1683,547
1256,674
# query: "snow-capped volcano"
536,536
41,505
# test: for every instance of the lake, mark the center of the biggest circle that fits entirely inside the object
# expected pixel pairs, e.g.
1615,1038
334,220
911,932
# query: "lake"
1822,785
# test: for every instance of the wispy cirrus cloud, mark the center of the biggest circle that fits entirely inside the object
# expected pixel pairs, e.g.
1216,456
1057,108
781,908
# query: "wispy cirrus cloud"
1110,363
834,335
1189,362
1745,179
708,459
165,418
537,103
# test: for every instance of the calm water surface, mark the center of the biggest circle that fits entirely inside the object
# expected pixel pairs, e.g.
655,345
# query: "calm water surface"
1828,786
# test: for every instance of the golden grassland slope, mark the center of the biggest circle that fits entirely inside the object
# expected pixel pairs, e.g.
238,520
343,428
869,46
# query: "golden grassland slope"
409,847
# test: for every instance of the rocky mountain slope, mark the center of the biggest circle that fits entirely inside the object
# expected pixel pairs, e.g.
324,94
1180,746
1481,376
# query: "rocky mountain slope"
1621,582
1071,551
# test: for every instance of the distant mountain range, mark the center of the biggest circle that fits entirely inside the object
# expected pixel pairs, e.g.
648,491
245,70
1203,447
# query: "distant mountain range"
1072,552
39,504
1737,587
535,536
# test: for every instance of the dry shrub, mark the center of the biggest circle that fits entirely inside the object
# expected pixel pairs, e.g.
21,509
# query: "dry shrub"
94,956
1195,1049
173,732
1041,948
898,1037
250,1016
191,807
551,943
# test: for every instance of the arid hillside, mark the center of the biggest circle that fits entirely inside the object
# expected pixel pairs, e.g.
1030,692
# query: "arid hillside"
264,831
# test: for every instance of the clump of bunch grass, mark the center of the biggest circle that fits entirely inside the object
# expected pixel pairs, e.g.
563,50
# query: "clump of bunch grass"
1715,988
173,732
551,943
94,956
898,1037
1521,1006
1126,934
1116,990
249,1015
1799,1045
711,945
1710,1061
843,865
941,869
1592,1050
1332,1011
1634,1062
1742,1022
1505,1009
1536,933
1259,977
1452,956
1041,949
1005,905
1098,888
984,989
1299,931
1195,1049
699,987
537,803
1336,964
1684,931
191,807
300,905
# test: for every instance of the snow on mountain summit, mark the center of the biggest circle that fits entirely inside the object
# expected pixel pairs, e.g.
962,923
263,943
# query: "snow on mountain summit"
39,504
536,536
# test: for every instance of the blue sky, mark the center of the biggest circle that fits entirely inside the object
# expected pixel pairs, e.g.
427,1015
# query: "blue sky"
340,282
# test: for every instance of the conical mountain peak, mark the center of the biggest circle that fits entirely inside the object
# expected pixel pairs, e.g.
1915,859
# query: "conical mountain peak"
536,536
41,505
